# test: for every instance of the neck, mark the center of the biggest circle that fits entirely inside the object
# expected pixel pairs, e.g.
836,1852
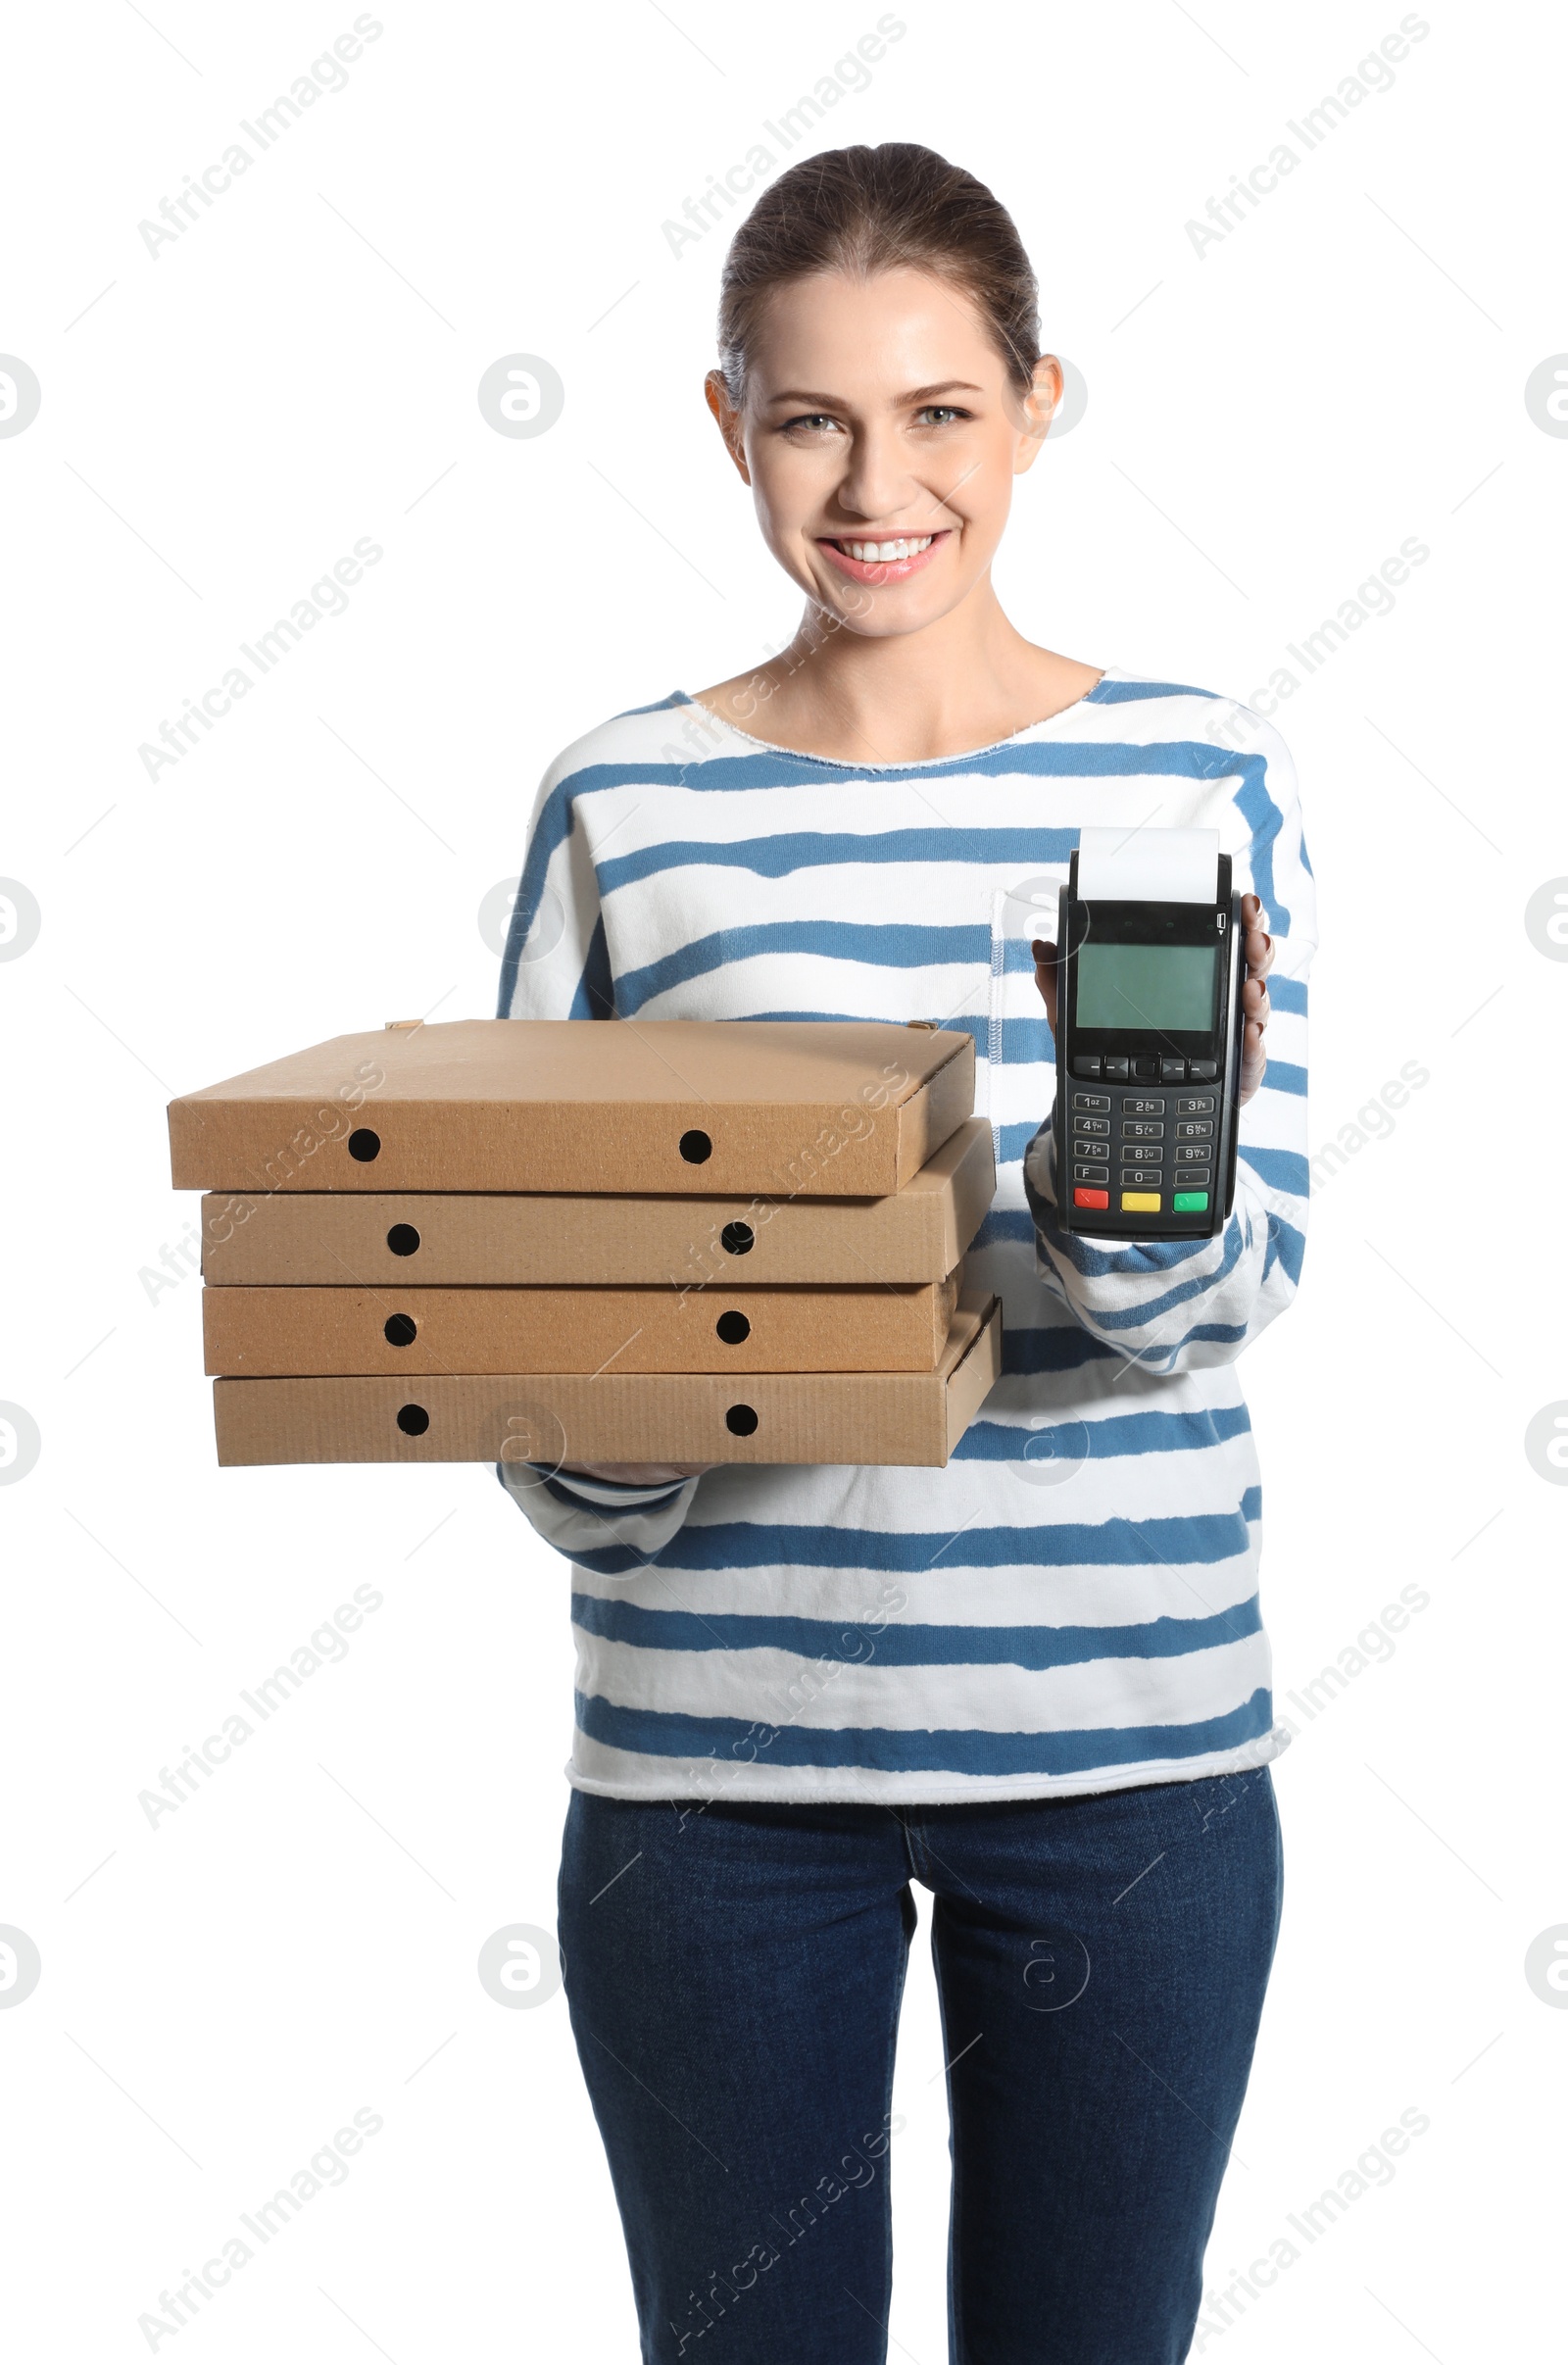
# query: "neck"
966,680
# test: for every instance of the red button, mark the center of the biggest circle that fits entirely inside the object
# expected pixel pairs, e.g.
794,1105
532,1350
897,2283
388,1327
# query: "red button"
1091,1199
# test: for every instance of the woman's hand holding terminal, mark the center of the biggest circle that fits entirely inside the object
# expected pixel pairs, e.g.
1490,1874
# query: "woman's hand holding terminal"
1259,950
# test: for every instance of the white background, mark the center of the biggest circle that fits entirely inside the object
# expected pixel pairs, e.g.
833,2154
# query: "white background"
1267,421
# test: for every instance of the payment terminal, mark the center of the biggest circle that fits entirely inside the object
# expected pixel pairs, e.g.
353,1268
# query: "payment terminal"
1150,968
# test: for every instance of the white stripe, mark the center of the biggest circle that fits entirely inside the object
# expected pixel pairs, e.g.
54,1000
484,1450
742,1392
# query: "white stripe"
1021,1595
779,1687
702,1782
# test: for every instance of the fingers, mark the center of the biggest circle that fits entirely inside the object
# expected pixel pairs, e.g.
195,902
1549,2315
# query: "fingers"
1258,946
1257,943
1045,953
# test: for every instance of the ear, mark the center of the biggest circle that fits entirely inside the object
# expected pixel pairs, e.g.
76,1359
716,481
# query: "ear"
1037,408
728,418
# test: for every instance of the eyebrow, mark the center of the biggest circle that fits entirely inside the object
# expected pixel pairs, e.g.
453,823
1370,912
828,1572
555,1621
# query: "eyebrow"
917,394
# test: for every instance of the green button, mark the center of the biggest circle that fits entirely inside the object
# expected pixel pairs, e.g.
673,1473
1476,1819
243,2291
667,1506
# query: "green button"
1190,1203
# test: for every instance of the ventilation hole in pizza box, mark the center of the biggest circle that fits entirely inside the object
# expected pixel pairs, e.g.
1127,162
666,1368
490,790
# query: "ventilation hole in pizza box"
414,1420
365,1145
403,1240
733,1328
696,1148
737,1239
401,1330
739,1420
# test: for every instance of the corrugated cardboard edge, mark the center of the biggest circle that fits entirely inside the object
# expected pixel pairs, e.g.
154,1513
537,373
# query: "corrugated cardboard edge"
298,1140
975,1375
923,1402
943,1205
932,1115
975,1186
280,1331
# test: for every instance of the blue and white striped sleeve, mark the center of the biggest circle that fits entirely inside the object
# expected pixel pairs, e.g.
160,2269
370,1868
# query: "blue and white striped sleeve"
622,1527
557,965
1175,1306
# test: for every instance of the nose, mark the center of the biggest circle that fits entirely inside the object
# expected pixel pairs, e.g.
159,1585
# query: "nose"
876,484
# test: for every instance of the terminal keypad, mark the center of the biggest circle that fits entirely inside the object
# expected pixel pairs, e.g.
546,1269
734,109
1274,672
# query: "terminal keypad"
1159,1146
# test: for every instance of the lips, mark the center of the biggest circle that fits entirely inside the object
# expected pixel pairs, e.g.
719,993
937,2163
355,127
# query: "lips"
838,552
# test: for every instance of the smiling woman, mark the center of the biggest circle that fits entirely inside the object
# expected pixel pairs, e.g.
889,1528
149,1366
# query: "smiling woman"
883,488
1035,1682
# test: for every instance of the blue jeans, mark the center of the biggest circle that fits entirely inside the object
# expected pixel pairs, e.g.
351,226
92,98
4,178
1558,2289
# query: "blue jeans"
734,1975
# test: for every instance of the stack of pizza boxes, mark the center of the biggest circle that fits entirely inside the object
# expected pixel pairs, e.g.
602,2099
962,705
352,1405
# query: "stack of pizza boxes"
580,1242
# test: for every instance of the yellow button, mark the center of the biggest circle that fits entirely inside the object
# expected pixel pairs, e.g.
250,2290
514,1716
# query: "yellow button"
1140,1203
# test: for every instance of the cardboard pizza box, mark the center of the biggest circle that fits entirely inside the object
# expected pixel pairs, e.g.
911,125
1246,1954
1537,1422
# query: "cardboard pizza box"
905,1418
325,1332
394,1239
779,1108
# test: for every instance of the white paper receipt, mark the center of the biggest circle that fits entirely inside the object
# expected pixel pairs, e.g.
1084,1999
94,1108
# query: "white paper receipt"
1147,865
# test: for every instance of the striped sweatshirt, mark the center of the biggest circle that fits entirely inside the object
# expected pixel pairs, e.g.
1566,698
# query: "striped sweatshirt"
1071,1604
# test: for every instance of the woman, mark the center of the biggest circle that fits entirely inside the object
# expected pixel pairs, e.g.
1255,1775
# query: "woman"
802,1689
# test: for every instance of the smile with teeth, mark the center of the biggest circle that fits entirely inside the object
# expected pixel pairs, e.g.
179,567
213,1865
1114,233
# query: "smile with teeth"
874,553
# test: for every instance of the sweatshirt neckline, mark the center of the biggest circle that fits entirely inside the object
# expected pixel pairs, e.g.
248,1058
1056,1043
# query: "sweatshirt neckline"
915,763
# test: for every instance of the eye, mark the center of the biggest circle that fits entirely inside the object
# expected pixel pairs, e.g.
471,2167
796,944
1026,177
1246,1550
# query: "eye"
940,414
813,422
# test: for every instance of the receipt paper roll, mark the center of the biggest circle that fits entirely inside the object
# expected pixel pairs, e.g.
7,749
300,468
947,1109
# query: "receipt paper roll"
1147,865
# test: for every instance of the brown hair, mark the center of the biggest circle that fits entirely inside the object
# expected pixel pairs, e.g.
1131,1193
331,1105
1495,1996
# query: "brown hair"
866,210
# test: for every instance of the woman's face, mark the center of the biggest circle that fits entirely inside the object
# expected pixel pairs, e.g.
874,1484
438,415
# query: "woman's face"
880,437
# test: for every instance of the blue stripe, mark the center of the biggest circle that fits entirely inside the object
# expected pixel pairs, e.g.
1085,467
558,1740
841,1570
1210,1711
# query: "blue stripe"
1025,1353
1012,1141
1263,819
1283,1075
1194,1537
1037,1647
1157,1255
1106,1439
1286,1246
1042,759
1288,993
594,997
659,1733
1281,1170
1109,693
